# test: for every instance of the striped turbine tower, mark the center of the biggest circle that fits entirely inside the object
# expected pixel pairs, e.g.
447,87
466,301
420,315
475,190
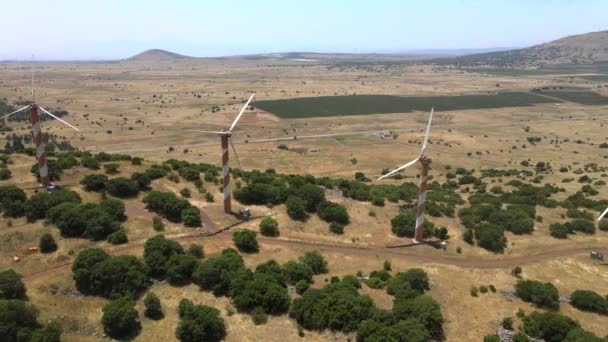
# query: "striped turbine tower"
43,168
37,137
226,139
422,186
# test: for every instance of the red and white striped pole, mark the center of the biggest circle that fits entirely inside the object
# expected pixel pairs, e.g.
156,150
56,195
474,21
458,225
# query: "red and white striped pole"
226,174
422,187
40,156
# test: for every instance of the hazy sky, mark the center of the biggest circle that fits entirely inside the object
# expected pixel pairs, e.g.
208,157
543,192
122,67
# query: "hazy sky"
111,29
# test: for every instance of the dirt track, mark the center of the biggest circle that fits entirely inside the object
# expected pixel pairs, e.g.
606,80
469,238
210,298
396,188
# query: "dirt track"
413,253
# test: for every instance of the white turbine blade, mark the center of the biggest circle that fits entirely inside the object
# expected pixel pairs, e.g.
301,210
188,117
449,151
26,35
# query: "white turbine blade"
236,156
426,134
203,131
58,119
238,117
15,112
603,214
399,169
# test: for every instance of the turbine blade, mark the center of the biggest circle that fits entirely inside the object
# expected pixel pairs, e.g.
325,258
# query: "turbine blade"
238,117
603,214
203,131
15,112
58,119
426,134
404,166
236,156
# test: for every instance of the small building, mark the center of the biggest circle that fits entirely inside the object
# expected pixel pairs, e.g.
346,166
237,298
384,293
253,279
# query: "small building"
16,258
32,249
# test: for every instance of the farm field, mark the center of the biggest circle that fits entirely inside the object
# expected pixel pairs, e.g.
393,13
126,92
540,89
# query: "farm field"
382,104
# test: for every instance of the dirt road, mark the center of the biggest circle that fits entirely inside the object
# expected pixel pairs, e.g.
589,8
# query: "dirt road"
414,253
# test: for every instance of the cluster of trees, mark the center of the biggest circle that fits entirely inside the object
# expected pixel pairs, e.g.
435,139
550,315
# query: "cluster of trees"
167,259
486,221
95,221
245,241
269,227
586,300
97,273
339,306
14,202
191,172
554,326
562,230
19,320
120,187
120,318
174,209
543,295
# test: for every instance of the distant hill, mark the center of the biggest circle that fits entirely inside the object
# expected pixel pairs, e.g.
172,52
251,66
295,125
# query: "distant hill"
579,49
157,55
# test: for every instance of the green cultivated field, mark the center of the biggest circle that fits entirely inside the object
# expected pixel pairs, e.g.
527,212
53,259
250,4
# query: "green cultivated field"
379,104
585,97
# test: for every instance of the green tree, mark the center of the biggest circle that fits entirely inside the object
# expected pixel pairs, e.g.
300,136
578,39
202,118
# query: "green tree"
245,241
122,187
157,252
315,261
47,243
11,286
215,273
17,320
120,319
196,250
94,182
199,323
589,301
83,268
119,237
269,227
153,308
542,294
332,212
180,268
550,326
296,208
312,196
191,217
295,271
48,333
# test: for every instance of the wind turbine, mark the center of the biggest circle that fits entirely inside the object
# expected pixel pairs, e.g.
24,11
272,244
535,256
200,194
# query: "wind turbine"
225,137
422,186
602,215
37,135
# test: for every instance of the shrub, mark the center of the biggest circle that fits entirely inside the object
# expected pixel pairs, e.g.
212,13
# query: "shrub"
36,207
336,228
47,243
111,168
474,291
180,268
312,196
191,217
157,252
491,338
18,320
5,174
199,323
550,326
94,182
142,180
423,307
122,187
196,250
258,316
333,212
157,224
301,287
296,208
404,224
603,225
153,308
185,192
119,237
542,294
245,241
120,319
166,204
11,286
317,309
589,301
296,271
215,273
315,261
507,323
269,227
49,333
